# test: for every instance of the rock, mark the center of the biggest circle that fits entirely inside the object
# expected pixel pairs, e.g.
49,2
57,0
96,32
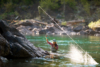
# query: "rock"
56,33
97,29
49,33
83,33
50,29
97,34
91,32
63,33
1,63
19,45
42,32
70,28
73,33
4,46
78,28
3,59
24,30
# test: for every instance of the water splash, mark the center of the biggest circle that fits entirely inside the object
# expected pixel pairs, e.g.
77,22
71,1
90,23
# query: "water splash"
76,55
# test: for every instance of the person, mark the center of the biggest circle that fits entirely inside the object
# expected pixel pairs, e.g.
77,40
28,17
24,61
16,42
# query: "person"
54,45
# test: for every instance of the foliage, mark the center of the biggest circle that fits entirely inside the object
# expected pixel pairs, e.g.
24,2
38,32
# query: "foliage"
49,4
54,4
86,6
23,2
9,7
4,15
71,3
93,25
96,2
64,23
26,2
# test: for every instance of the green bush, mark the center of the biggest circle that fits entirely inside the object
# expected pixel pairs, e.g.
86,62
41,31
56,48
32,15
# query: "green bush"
94,25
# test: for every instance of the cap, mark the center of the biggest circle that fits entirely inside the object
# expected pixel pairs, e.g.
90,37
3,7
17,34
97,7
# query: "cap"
54,40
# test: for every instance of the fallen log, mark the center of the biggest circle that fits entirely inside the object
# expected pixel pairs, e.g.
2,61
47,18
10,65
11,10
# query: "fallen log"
73,22
29,20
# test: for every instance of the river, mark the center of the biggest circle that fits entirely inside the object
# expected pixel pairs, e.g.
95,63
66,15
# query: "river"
70,53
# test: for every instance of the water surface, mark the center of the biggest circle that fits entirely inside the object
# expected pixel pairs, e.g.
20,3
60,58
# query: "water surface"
89,44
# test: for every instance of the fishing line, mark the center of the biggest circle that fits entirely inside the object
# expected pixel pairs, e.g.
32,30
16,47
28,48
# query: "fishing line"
86,53
61,28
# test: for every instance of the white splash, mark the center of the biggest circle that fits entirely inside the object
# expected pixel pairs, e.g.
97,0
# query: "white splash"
78,56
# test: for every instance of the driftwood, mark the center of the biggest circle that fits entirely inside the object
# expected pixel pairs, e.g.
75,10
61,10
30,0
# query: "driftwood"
74,22
41,22
29,20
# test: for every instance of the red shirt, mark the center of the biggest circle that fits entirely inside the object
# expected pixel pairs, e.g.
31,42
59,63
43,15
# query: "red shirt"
52,45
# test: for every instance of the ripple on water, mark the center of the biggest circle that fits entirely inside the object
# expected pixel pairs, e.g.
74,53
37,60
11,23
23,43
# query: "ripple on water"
46,63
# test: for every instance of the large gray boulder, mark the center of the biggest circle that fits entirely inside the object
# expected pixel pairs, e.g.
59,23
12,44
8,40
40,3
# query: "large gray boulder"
4,46
1,63
19,45
78,28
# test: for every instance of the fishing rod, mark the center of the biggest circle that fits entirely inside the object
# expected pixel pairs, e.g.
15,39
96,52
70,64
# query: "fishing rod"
61,28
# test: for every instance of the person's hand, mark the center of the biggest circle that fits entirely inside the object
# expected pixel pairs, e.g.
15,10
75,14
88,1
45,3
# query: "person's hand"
46,36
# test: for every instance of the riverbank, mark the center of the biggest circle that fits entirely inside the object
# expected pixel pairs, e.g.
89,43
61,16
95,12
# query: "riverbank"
34,27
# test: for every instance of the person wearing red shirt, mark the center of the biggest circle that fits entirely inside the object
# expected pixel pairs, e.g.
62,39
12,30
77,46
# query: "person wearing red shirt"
54,45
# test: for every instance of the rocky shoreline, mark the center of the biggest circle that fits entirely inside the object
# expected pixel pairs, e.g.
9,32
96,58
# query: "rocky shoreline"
31,27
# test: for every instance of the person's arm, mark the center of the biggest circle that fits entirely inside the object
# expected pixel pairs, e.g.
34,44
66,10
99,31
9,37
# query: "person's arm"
46,38
48,41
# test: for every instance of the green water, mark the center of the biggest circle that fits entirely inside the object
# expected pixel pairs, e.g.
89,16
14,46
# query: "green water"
91,44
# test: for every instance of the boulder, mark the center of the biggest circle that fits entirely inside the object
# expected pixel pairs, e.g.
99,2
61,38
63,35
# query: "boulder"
42,32
4,46
78,28
63,33
24,30
70,28
50,29
83,33
1,63
91,32
20,47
